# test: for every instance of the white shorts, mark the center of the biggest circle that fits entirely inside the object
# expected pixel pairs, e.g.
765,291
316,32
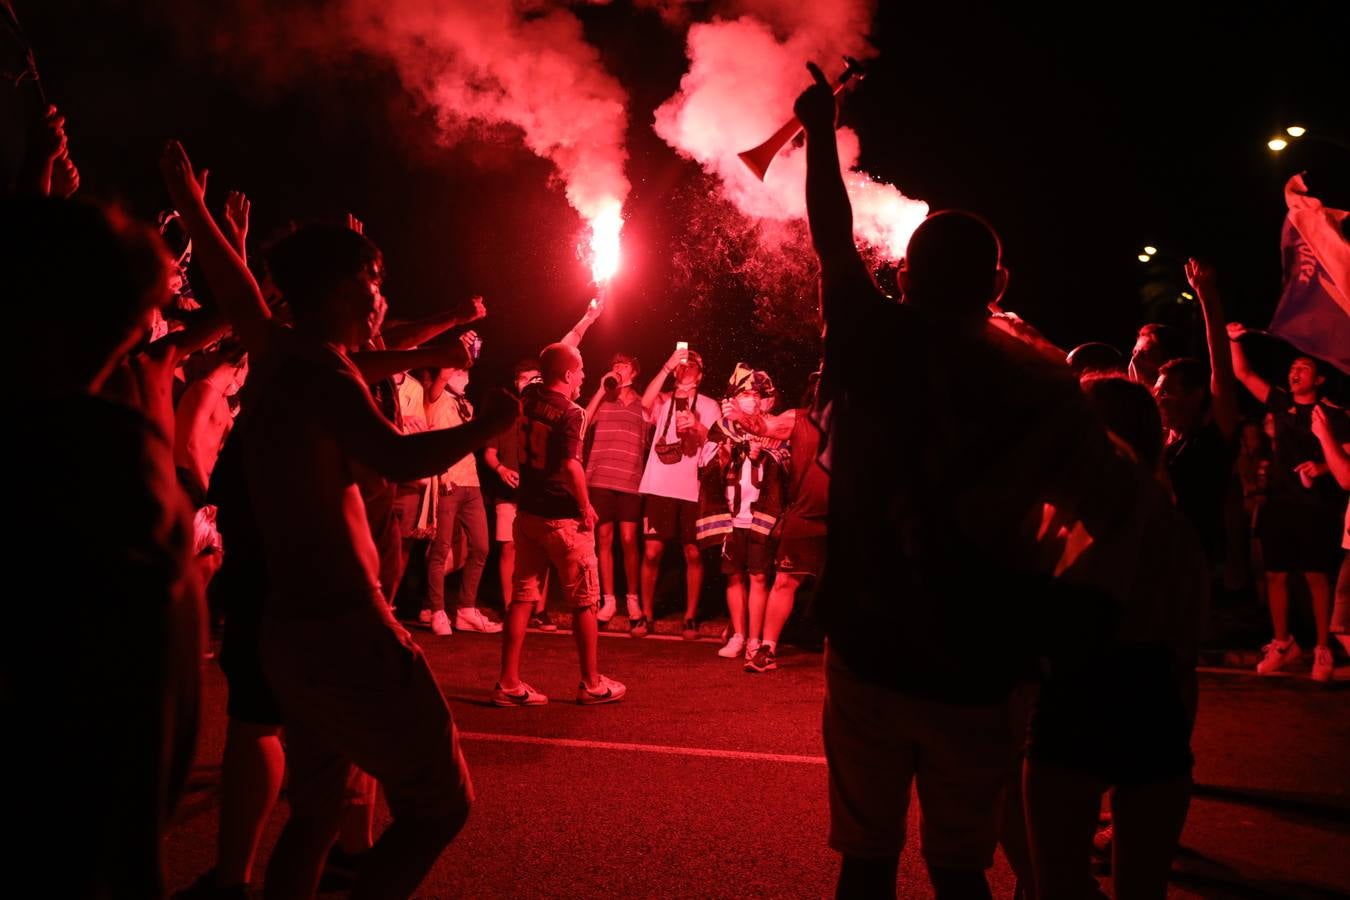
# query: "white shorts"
504,532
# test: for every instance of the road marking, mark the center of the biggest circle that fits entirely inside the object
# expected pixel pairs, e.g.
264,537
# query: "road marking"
1341,673
658,637
643,748
650,636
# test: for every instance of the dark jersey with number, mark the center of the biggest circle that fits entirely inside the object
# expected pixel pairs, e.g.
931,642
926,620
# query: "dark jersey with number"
1296,444
551,430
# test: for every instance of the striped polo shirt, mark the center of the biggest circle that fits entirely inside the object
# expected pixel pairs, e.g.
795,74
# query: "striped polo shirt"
616,460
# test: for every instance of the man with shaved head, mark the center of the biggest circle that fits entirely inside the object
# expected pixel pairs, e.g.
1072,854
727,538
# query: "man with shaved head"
554,528
938,584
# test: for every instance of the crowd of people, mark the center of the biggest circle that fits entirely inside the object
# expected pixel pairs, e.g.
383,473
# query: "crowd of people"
1051,535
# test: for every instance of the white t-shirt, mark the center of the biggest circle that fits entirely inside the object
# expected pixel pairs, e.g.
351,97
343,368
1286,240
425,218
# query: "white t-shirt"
443,412
410,400
680,480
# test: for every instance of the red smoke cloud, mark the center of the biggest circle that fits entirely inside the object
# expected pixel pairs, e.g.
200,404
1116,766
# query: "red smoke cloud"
476,65
743,77
490,62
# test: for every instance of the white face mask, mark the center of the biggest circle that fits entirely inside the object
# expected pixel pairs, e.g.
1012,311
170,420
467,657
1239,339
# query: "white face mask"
747,404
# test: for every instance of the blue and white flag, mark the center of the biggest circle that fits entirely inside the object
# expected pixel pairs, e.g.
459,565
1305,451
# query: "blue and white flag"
1314,309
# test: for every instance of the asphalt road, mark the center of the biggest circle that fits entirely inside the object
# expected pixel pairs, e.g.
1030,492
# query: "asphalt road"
708,782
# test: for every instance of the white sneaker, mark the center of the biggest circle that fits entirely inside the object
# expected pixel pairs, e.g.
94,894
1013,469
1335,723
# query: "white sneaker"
1322,664
608,691
750,647
634,606
440,623
524,696
424,617
471,618
733,648
608,607
1277,657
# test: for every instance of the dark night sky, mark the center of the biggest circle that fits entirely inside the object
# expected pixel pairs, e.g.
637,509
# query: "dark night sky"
1081,140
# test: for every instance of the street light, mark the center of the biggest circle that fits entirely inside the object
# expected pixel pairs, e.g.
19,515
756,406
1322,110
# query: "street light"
1151,250
1144,257
1299,132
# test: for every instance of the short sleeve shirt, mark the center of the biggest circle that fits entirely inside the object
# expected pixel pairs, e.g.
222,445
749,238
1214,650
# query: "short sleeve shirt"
549,434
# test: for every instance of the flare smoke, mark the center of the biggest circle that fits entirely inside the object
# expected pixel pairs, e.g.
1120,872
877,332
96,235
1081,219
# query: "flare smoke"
744,74
527,65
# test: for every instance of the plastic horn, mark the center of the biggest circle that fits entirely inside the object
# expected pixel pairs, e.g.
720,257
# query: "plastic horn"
758,159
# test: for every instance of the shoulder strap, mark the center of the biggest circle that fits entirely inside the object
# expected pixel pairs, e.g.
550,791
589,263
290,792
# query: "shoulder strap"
670,414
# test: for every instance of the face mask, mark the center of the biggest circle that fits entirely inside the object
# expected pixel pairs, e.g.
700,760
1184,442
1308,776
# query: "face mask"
747,404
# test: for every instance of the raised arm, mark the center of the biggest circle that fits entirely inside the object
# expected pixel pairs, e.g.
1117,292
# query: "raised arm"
1013,324
360,429
203,331
65,179
594,403
231,282
1222,380
828,210
403,335
778,427
375,365
578,331
1259,387
47,144
653,391
236,222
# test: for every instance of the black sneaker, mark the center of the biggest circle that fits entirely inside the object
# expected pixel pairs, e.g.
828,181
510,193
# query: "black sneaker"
762,661
542,622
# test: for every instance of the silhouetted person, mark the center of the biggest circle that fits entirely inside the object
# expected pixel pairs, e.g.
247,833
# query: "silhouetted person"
939,472
353,687
104,722
1119,717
